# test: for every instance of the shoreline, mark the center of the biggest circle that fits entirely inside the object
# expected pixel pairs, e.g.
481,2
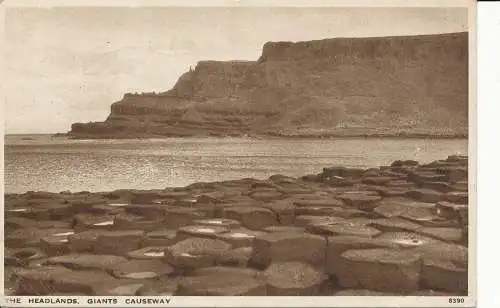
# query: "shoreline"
255,235
257,137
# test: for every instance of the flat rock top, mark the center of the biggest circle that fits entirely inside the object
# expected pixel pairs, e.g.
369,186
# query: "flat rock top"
283,236
384,217
199,245
78,261
141,269
292,275
218,285
382,255
223,270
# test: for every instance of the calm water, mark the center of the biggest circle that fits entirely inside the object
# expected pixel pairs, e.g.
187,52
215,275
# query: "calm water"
50,164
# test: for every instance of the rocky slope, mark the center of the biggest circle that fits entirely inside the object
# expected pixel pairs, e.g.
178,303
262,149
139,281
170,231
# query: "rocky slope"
396,86
394,230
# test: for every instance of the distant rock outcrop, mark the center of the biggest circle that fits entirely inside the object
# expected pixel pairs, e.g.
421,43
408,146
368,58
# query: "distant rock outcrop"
385,86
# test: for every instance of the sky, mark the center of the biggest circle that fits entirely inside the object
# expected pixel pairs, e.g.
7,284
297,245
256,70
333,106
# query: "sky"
66,65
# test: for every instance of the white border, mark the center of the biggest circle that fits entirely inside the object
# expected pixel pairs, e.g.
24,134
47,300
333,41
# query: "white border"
488,68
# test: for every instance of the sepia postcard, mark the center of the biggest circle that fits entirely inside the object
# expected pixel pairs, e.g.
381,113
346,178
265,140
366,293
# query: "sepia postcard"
238,153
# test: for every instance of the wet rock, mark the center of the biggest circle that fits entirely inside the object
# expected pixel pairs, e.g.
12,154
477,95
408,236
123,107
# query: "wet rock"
119,288
459,197
235,257
284,211
292,246
196,252
54,279
293,279
420,177
407,239
445,275
141,269
444,234
54,245
118,242
336,245
378,180
159,287
12,223
402,207
240,237
442,187
455,174
219,222
394,224
365,201
266,195
220,284
84,222
30,237
362,292
445,252
430,293
384,270
161,237
460,186
254,218
460,159
226,270
319,203
399,184
177,217
199,231
306,220
342,172
283,229
342,228
392,191
148,253
83,241
22,256
401,163
135,222
451,210
425,195
86,261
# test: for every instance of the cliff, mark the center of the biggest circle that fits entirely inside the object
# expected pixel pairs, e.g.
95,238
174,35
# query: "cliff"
385,86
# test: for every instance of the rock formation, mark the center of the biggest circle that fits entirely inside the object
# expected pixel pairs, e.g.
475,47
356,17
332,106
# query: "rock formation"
385,86
346,231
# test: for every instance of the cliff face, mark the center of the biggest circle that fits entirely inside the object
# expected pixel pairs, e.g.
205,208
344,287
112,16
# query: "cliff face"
412,85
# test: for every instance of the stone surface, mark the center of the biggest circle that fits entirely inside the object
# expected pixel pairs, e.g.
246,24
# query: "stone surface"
199,231
161,237
291,246
196,252
387,231
384,270
445,275
148,253
141,269
337,245
362,200
240,237
342,228
118,242
87,261
53,279
253,218
293,279
221,283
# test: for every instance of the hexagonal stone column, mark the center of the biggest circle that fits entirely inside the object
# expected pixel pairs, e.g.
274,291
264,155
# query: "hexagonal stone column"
384,270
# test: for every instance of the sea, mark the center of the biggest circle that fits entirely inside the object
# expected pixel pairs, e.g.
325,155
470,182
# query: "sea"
55,164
